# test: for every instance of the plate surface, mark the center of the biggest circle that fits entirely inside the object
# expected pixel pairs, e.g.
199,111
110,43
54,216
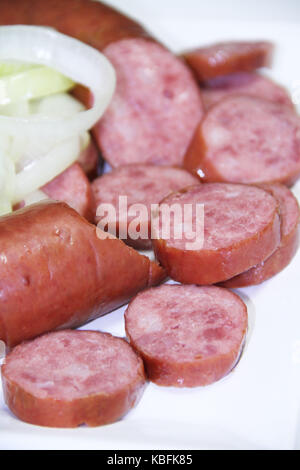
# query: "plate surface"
257,405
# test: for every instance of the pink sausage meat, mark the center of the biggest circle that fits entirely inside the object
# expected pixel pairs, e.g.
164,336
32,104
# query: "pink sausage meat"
290,217
187,335
73,187
244,83
156,107
140,184
243,139
241,227
69,378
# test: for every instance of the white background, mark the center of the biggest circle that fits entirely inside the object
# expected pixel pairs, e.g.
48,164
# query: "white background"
257,405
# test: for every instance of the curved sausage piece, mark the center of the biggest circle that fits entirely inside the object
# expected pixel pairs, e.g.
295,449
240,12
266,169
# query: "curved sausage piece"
155,110
243,139
92,22
58,271
224,58
69,378
140,184
157,104
187,335
244,83
73,187
241,228
290,217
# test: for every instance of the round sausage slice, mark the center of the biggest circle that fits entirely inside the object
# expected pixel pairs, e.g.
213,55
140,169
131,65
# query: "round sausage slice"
243,139
228,57
69,378
73,187
187,335
239,226
290,216
244,83
155,109
141,184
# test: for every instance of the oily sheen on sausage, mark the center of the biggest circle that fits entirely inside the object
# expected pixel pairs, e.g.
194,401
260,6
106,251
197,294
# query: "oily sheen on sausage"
228,57
243,139
290,217
58,271
244,83
69,378
187,335
241,228
140,184
157,104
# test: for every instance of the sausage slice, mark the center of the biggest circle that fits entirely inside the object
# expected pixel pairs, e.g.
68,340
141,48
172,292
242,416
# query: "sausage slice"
73,187
241,227
155,110
69,378
89,159
244,83
140,184
243,139
290,217
187,335
228,57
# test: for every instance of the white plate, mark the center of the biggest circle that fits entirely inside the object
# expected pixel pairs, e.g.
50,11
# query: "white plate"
257,405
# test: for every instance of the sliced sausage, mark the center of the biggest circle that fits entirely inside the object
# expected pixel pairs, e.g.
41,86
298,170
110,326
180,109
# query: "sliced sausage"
140,184
290,216
89,159
155,110
241,227
77,273
69,378
73,187
187,335
157,104
244,83
224,58
243,139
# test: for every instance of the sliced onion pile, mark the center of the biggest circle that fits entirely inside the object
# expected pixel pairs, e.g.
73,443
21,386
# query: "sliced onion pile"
39,139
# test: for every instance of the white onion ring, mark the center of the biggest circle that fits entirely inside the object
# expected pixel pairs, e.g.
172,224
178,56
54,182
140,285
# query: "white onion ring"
42,170
34,197
80,62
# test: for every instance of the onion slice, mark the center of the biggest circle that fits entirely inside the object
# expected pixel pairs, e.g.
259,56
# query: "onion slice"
74,59
42,170
34,197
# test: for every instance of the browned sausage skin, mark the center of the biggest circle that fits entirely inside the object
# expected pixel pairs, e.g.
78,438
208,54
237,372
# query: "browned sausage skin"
224,58
57,273
149,120
89,21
